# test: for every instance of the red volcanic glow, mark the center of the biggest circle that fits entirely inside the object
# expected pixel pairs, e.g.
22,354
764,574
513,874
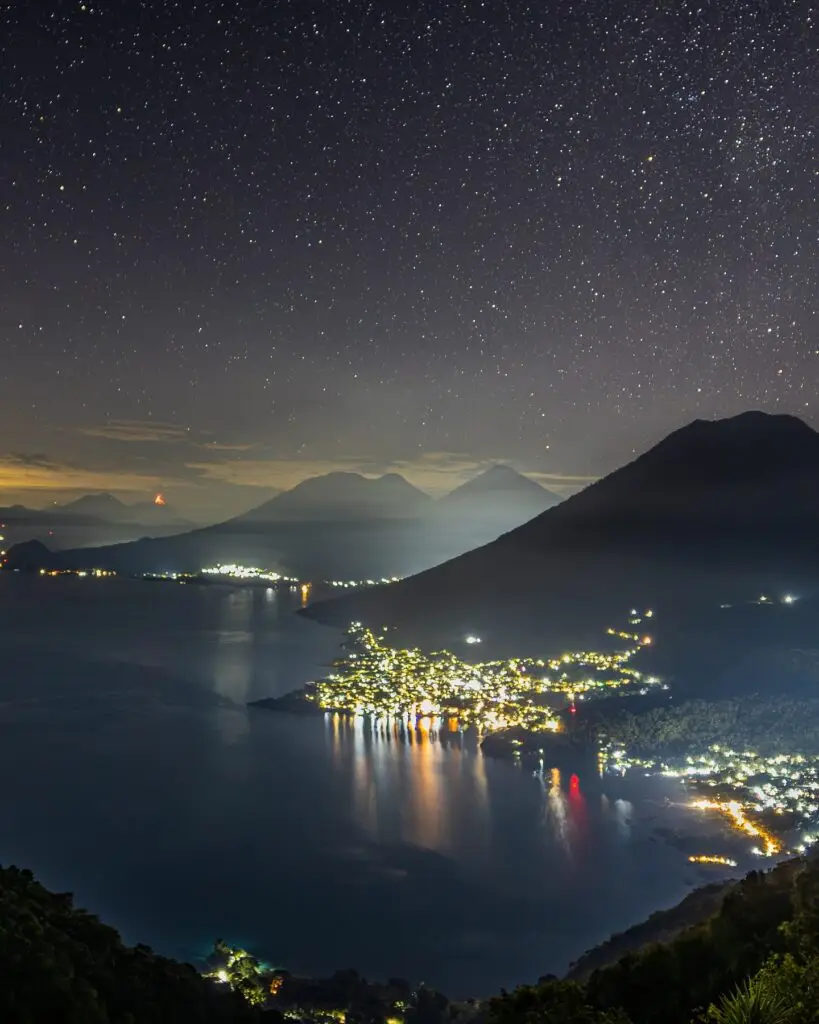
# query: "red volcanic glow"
159,500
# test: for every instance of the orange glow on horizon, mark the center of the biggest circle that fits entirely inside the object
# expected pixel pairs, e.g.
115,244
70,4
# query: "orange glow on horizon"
159,500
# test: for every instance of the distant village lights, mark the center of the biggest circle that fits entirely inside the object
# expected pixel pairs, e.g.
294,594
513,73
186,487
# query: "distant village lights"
246,572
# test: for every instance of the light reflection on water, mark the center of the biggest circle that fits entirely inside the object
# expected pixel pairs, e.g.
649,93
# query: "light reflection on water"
441,773
142,783
556,811
430,767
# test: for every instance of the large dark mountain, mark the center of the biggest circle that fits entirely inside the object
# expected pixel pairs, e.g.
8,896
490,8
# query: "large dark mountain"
717,512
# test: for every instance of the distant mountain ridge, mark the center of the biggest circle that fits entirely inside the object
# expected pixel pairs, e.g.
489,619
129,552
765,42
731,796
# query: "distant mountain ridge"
338,495
110,509
102,505
717,510
500,498
93,519
340,526
501,480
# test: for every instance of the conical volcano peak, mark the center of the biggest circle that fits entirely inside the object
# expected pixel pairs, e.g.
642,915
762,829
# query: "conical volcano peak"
500,479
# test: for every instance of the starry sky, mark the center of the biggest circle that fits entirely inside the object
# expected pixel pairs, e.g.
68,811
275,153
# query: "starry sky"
247,242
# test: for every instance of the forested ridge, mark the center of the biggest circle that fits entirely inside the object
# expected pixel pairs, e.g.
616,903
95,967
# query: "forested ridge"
753,958
61,965
767,725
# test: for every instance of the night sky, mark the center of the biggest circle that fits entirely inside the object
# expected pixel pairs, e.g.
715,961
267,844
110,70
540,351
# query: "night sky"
247,242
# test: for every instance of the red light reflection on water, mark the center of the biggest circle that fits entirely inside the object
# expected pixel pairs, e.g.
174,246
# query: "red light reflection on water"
578,809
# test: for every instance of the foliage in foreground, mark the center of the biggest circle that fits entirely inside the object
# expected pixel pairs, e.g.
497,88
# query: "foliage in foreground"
755,961
60,965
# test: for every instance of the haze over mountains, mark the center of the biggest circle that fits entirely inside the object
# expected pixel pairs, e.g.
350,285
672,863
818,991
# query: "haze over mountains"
340,526
719,511
90,520
110,509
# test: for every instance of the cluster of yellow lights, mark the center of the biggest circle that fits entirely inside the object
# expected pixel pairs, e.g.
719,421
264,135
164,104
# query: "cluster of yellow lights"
379,680
245,572
252,572
345,584
709,858
780,784
96,573
737,815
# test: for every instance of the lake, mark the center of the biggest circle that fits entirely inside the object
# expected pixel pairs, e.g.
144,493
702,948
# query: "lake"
135,777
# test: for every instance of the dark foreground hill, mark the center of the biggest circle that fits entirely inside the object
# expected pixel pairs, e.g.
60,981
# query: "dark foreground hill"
718,512
60,965
738,943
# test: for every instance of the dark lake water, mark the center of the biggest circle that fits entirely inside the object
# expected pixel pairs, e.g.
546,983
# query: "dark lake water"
134,776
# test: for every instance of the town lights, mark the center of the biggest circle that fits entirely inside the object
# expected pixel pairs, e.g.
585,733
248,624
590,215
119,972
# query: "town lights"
375,679
705,858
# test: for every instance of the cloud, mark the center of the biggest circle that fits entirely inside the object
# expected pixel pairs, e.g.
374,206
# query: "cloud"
562,482
220,446
145,431
38,473
30,460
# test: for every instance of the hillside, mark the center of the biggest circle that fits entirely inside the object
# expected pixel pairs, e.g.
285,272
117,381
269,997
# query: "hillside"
719,511
60,965
661,926
756,939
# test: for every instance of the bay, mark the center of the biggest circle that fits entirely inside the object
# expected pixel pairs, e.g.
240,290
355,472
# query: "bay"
135,776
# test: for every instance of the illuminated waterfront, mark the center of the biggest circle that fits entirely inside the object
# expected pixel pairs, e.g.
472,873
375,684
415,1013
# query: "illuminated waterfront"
774,800
144,785
241,575
374,678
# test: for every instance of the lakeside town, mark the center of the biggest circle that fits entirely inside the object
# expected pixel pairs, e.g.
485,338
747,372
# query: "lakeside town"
771,798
